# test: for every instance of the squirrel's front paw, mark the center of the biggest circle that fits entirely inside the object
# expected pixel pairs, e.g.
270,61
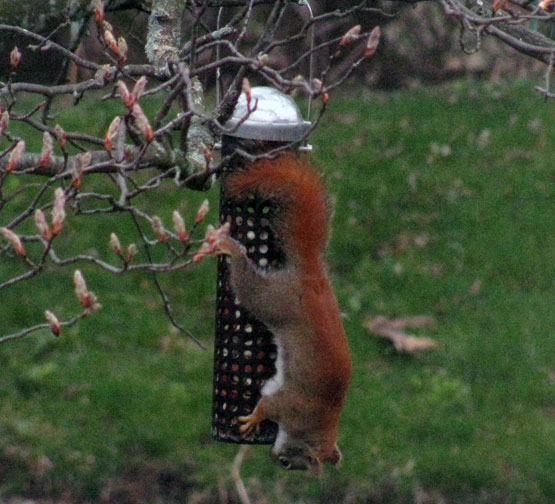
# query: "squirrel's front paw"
228,246
249,424
217,242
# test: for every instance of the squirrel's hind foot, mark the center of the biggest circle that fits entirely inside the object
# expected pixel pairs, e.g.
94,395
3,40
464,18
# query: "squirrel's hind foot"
250,422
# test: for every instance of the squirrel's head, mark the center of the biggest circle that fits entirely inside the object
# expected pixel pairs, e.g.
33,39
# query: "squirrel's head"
297,454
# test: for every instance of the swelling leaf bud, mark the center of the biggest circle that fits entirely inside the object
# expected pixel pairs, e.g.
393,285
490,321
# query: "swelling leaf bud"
123,50
47,149
246,87
159,230
86,297
15,57
58,212
54,322
373,41
179,226
350,36
4,121
111,41
131,252
115,244
98,11
15,156
61,135
82,162
112,133
142,122
42,225
14,241
202,211
126,96
138,88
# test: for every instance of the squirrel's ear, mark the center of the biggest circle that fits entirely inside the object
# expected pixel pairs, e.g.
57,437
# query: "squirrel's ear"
335,456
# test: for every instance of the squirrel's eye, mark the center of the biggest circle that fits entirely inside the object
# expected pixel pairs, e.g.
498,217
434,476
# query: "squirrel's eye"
284,462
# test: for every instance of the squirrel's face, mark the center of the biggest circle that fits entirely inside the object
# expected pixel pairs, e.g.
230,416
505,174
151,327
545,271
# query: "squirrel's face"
296,454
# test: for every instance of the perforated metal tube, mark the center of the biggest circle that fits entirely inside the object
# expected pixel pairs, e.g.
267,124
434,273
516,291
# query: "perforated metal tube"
244,354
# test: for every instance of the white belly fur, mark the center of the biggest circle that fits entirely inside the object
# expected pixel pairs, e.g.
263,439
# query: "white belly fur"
276,381
281,439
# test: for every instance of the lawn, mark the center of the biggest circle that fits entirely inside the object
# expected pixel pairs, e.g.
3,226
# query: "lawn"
444,207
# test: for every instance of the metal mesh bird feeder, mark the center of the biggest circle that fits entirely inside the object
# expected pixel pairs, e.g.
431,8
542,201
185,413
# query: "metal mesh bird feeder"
244,354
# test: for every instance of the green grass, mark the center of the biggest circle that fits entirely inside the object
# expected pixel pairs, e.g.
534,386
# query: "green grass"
436,191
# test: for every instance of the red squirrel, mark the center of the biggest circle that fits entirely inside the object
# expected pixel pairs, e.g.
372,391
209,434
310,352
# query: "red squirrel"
297,304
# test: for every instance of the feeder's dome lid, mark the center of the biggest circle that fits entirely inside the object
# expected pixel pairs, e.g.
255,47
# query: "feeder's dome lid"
276,118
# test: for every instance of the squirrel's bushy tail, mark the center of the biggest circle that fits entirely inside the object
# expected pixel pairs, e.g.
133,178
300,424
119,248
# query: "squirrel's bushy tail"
298,190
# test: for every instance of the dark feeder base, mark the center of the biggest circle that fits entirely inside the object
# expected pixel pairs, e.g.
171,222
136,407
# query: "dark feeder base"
244,355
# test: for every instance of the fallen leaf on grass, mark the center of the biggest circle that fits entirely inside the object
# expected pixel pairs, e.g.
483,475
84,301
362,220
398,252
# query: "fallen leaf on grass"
393,329
476,287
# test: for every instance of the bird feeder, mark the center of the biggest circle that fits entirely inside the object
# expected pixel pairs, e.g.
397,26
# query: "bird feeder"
244,352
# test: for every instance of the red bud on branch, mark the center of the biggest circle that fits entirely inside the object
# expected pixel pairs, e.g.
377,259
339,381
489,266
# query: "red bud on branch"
82,161
112,133
98,11
115,244
122,49
54,322
202,211
126,96
111,41
373,41
131,251
4,121
42,225
246,87
142,122
179,226
159,230
138,88
15,57
47,149
58,211
203,250
86,297
350,36
15,156
61,135
14,241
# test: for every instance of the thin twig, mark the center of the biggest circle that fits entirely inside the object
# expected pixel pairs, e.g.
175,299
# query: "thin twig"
167,305
236,476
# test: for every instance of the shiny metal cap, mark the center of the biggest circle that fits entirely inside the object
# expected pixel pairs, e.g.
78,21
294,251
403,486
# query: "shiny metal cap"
276,118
